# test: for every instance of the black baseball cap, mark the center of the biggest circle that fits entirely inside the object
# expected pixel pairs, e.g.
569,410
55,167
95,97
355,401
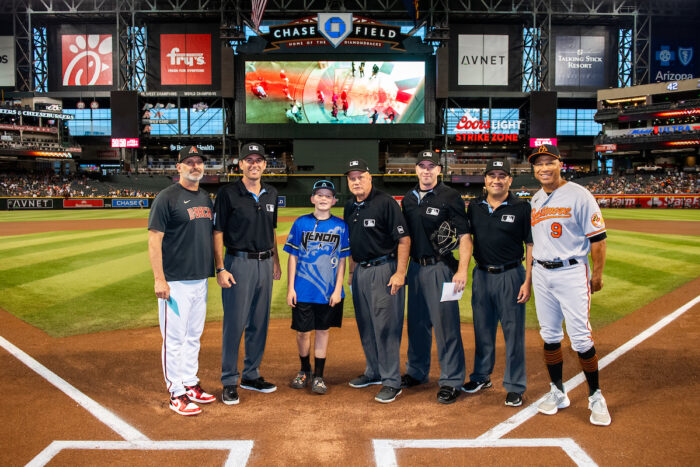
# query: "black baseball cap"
498,164
544,150
357,164
251,148
189,151
428,155
323,185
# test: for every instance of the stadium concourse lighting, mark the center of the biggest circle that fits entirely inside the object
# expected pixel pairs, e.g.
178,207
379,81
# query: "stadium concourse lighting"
626,99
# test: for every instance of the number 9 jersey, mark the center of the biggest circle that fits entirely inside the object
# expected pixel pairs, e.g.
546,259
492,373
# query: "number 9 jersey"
563,222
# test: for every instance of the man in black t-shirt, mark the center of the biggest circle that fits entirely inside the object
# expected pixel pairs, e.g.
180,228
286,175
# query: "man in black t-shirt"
245,223
500,225
379,246
181,254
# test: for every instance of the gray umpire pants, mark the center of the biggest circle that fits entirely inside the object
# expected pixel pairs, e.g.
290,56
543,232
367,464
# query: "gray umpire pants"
494,299
379,320
425,314
246,308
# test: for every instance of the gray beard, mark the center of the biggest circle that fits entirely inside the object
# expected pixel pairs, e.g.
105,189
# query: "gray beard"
193,178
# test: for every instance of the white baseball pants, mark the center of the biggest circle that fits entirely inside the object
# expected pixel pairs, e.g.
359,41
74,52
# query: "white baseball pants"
181,325
564,294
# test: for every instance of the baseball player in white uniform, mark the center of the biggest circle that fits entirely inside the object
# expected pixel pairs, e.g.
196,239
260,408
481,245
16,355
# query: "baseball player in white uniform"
566,226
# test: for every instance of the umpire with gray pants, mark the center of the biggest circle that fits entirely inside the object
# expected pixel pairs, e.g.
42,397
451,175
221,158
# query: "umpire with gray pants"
245,219
379,245
426,208
500,225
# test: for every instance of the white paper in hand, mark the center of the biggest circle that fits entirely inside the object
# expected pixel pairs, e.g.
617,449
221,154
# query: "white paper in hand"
448,292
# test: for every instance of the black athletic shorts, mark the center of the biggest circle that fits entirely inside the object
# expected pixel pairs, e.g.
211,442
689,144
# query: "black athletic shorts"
321,316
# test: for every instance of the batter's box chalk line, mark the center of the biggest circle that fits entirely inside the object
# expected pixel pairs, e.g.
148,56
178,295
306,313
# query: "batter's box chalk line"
385,449
238,450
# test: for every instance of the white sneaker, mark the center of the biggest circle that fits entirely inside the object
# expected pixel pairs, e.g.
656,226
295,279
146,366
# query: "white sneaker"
599,409
553,401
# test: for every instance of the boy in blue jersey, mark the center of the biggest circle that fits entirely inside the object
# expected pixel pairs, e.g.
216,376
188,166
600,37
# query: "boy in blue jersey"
317,245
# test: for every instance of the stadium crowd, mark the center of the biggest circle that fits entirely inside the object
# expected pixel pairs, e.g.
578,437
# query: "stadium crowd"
678,183
36,185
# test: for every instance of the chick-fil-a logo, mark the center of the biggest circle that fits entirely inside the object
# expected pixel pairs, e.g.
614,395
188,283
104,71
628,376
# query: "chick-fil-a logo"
87,59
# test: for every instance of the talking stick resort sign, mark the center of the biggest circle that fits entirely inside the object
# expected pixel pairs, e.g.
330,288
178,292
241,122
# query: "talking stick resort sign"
335,29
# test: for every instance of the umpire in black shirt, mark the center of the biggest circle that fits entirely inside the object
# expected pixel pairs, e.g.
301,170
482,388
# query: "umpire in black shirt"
379,244
425,208
500,224
245,219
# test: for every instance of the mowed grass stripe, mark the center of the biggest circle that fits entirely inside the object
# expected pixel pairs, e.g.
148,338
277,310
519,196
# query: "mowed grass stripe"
10,246
28,272
134,241
68,214
66,286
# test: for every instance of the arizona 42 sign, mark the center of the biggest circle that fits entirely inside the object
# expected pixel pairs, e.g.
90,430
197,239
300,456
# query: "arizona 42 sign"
86,59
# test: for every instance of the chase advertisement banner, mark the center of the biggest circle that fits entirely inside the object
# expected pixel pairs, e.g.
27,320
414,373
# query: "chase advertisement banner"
7,61
130,203
674,53
334,29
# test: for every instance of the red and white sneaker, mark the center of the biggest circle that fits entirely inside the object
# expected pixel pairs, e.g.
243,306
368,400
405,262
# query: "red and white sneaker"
184,406
197,394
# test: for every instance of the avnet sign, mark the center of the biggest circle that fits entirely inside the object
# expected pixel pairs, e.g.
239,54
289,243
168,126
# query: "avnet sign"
483,60
29,203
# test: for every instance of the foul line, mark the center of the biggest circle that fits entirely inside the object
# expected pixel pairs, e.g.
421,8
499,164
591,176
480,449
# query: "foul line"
122,428
524,415
385,454
239,451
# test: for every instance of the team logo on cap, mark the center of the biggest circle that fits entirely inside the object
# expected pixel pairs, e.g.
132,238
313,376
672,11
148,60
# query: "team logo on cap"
542,148
497,164
194,150
354,163
253,147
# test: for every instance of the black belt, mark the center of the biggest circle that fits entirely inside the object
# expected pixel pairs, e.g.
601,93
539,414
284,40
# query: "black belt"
557,264
499,269
377,261
259,255
427,260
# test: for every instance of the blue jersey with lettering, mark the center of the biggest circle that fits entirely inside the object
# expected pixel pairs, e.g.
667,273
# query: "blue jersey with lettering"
319,245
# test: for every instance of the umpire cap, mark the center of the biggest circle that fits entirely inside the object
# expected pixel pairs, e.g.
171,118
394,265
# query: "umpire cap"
429,156
544,150
252,148
498,164
357,164
189,151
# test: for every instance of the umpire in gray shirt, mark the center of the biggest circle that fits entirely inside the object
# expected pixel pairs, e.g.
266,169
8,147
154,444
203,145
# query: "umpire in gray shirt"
430,204
500,224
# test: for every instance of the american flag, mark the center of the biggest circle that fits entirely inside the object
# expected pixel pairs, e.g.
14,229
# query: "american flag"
258,9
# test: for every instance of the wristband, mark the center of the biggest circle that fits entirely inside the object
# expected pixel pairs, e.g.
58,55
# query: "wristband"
218,270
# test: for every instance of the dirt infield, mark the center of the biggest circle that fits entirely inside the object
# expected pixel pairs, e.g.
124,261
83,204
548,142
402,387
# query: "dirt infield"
652,394
21,228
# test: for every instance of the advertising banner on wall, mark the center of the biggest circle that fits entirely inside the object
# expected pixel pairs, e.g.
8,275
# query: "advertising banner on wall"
7,61
184,57
484,58
674,53
82,57
648,201
583,58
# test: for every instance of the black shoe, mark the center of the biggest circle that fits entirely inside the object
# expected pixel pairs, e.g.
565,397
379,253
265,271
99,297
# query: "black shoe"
363,381
408,381
514,399
473,386
259,385
387,394
447,394
230,395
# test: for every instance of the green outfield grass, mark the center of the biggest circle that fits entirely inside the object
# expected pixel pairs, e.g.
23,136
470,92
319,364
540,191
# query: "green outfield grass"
74,282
